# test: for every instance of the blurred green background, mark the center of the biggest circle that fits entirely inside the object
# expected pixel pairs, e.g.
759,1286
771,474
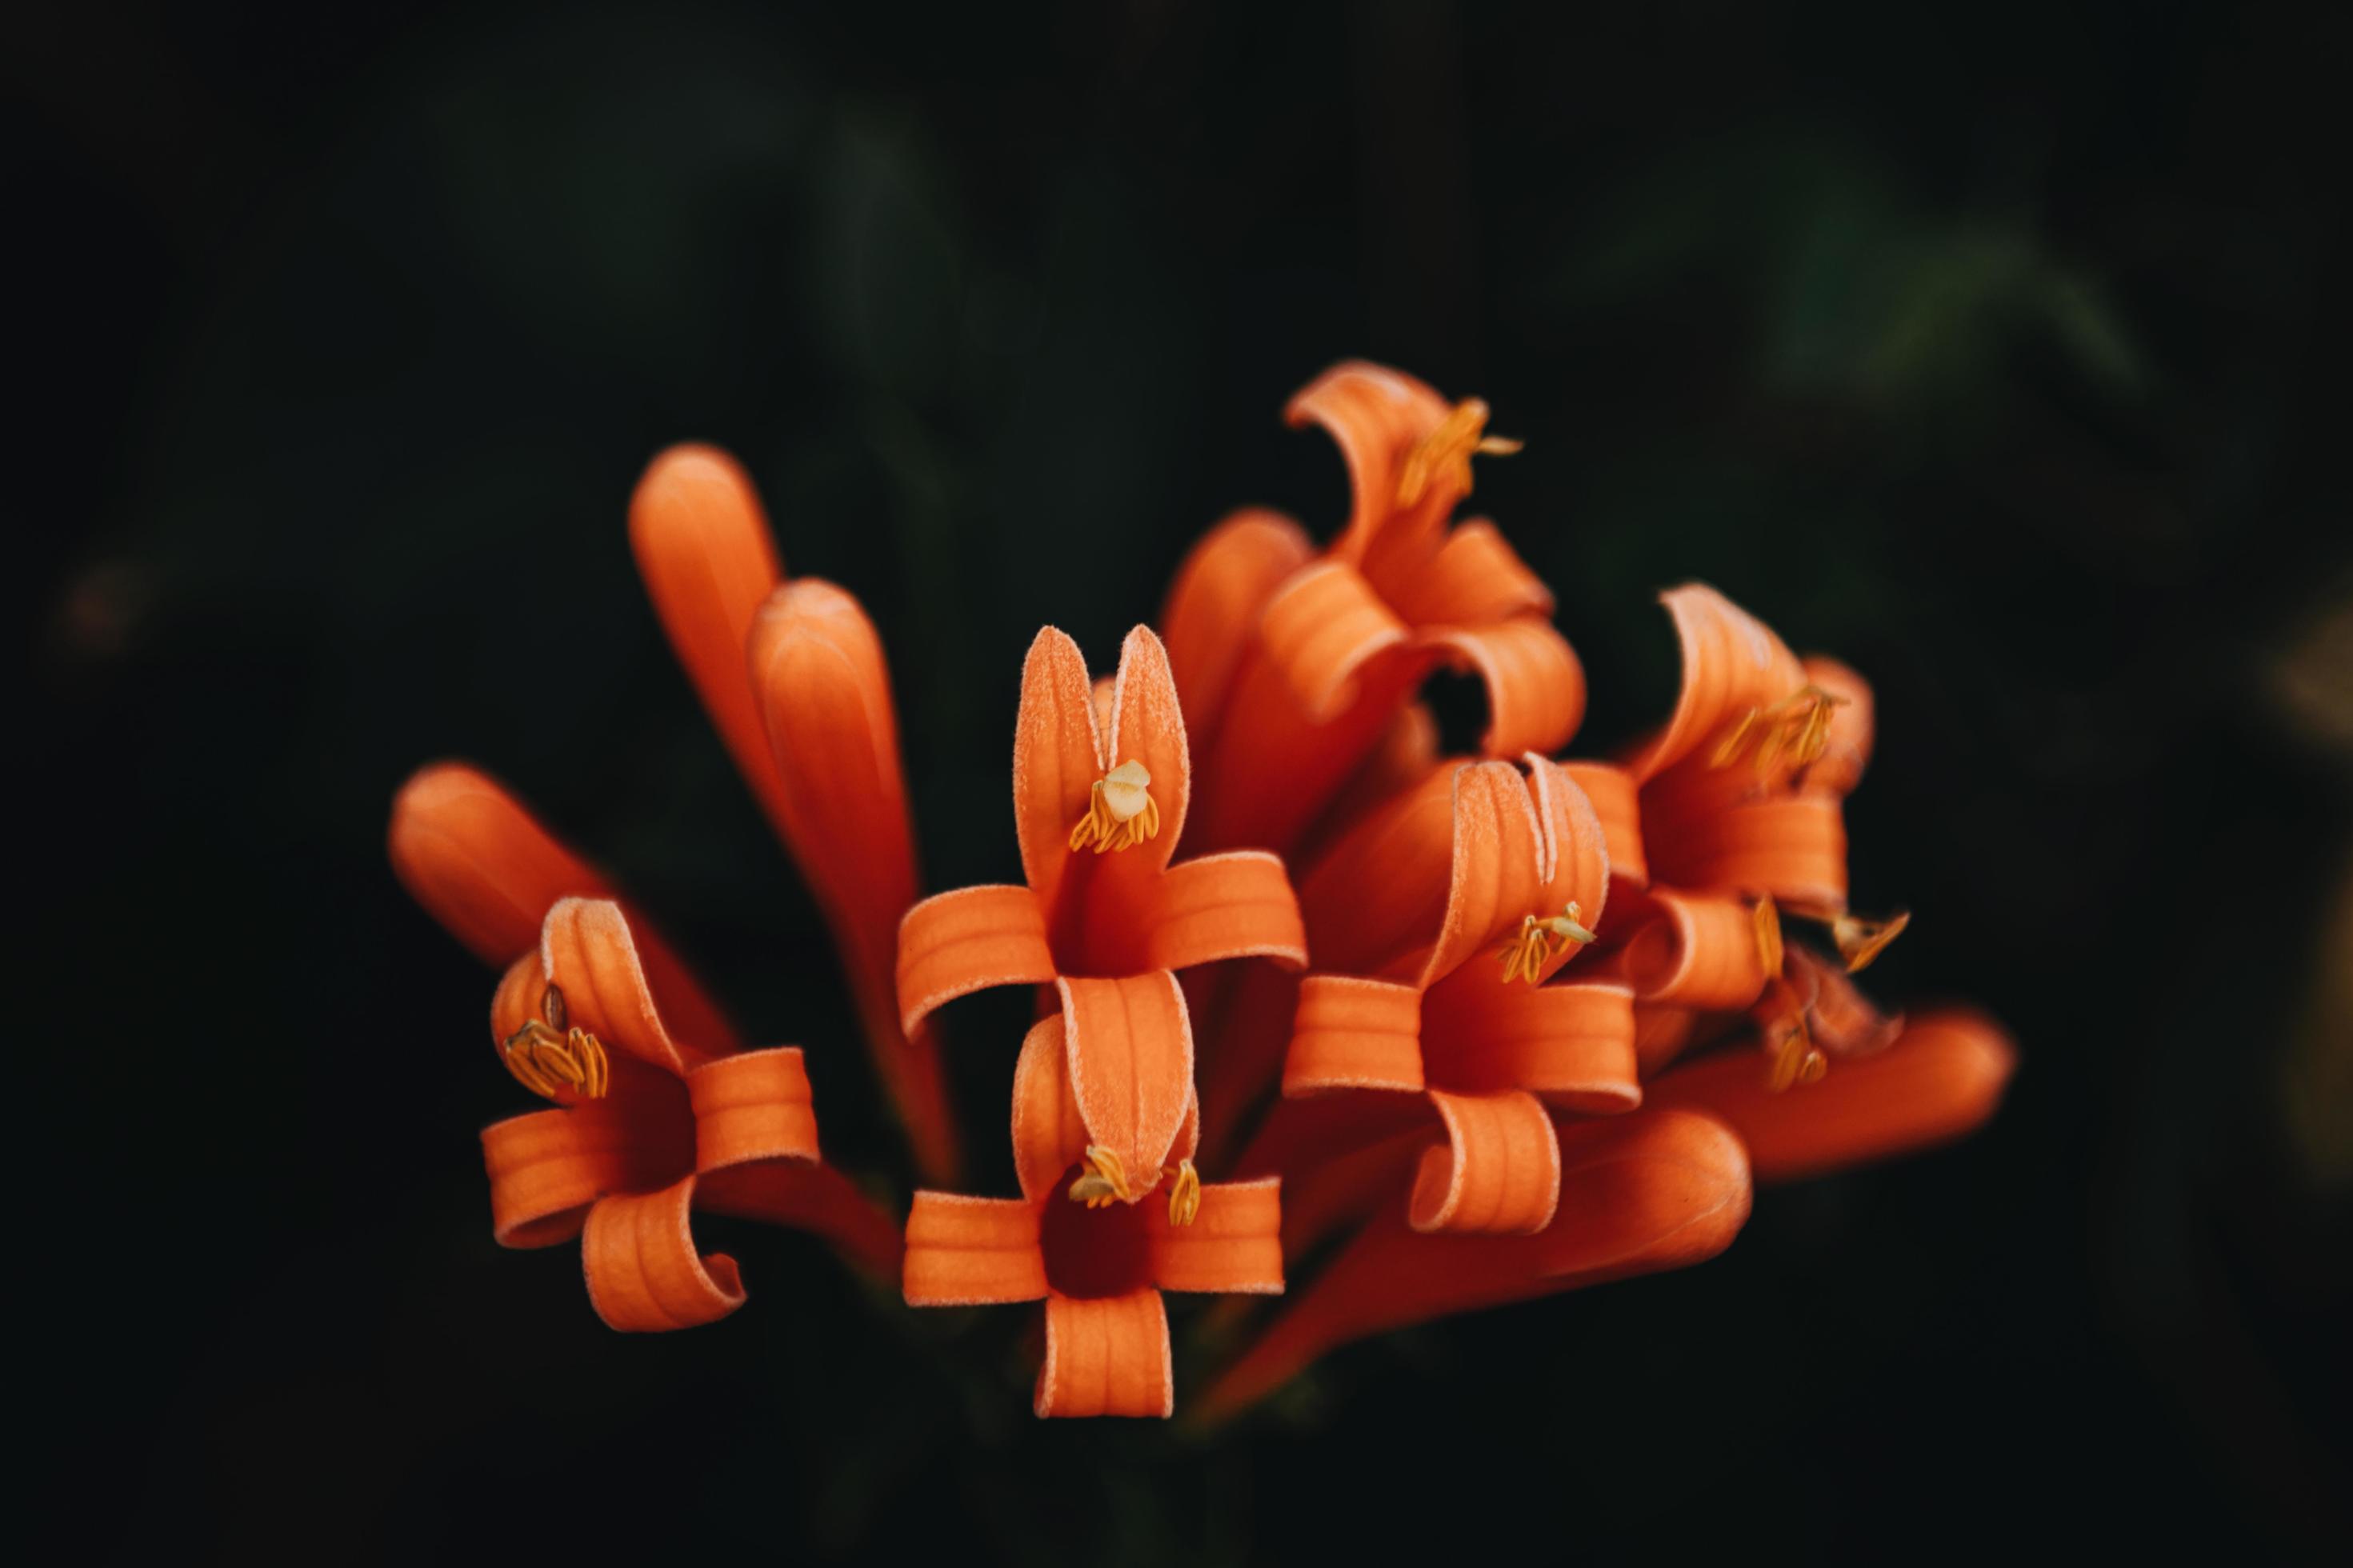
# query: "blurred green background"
1981,345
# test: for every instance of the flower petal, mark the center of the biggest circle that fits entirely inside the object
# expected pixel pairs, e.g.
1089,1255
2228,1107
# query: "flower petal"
1732,662
1236,905
1618,807
1129,1047
586,947
1377,895
1057,758
1475,579
546,1167
1322,625
1050,1133
1353,1033
754,1105
1212,617
1853,723
1694,950
1941,1078
1524,845
1571,1043
1638,1194
1535,687
1792,846
644,1273
483,867
953,944
1106,1356
1498,1171
1148,726
708,560
824,695
968,1252
1234,1245
1375,416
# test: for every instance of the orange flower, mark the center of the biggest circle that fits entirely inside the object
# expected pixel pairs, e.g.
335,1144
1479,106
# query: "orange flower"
653,1119
1638,1195
1293,666
1479,856
793,677
1100,1267
1099,804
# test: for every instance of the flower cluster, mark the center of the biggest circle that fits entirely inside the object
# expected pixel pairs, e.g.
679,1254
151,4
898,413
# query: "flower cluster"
1462,1030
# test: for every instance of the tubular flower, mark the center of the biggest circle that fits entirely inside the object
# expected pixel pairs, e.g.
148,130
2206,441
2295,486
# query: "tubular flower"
794,679
651,1120
1099,1264
1104,917
1293,664
1414,995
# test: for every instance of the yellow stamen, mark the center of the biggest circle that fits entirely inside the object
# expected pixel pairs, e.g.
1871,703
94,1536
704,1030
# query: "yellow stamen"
1766,921
1105,1181
1795,1059
1120,810
1797,729
1861,940
1184,1197
1446,451
546,1058
1525,954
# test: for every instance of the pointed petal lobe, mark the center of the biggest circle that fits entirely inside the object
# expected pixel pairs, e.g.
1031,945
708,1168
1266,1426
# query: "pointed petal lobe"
1129,1047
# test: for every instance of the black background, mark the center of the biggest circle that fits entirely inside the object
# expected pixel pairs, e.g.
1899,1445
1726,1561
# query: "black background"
1981,344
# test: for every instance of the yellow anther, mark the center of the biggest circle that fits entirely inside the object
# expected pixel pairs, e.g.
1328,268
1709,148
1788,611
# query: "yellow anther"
1120,810
1104,1181
1796,1060
1447,450
1861,940
1526,953
1765,921
548,1058
1185,1196
1796,729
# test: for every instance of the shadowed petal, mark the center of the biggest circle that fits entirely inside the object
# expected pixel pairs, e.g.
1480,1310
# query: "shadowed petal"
1475,579
1535,687
1618,807
546,1167
1050,1133
1212,617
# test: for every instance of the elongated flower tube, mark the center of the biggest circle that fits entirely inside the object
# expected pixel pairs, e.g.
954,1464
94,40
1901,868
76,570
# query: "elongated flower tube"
1638,1194
1104,917
1100,1267
793,677
1293,664
1439,922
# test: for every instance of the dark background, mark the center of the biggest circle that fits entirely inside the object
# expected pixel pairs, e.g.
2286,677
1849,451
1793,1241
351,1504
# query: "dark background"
1981,344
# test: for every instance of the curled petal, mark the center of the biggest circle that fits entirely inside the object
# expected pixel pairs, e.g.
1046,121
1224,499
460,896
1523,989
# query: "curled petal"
1375,416
1353,1033
708,560
1378,892
1638,1194
1732,662
1661,1033
1535,687
953,944
754,1105
1212,614
1475,579
481,864
824,695
1695,951
1049,1133
1498,1171
1942,1078
964,1252
1129,1043
1236,905
1792,846
1571,1043
1524,843
1853,723
548,1166
1618,807
1320,629
644,1274
1106,1356
1234,1244
586,947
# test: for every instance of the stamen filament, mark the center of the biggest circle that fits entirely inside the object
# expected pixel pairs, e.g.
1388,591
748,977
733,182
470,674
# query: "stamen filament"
1525,954
1104,1181
1766,921
546,1058
1861,940
1797,729
1447,451
1185,1196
